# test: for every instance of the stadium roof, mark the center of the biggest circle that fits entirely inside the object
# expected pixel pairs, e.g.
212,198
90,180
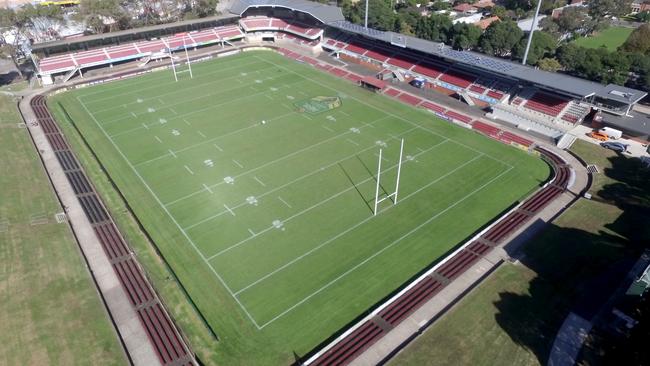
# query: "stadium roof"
333,16
549,80
322,12
621,94
129,32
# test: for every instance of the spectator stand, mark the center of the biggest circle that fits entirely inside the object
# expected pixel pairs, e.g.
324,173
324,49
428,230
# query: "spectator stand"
72,63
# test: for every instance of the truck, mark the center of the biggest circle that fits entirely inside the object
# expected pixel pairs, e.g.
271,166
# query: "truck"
612,133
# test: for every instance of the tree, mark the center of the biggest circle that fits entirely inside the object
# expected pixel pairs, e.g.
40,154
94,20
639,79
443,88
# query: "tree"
570,55
639,40
499,11
572,20
434,28
616,68
600,8
500,38
103,15
543,44
380,15
19,20
524,5
643,16
200,9
549,64
464,36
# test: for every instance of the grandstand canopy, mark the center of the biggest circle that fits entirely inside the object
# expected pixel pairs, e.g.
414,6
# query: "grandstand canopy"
128,35
324,13
621,94
575,87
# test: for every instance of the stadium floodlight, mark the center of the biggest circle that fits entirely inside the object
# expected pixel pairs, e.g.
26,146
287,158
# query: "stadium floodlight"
392,196
532,30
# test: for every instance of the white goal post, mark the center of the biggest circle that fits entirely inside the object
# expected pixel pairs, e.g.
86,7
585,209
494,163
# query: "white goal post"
187,61
393,195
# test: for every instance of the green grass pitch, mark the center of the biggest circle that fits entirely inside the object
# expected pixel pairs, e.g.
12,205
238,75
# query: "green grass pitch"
264,209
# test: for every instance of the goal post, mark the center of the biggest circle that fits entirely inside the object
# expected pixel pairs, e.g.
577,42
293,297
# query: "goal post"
392,196
176,67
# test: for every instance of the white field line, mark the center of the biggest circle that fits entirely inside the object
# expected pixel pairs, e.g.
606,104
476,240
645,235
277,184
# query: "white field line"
187,237
387,112
237,163
172,153
316,171
157,86
160,76
285,202
300,213
188,169
229,210
145,126
218,147
252,232
194,111
158,139
272,162
330,240
327,128
396,241
352,142
201,134
259,181
192,146
207,188
190,100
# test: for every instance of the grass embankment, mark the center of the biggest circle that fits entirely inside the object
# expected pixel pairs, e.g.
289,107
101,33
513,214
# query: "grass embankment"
50,312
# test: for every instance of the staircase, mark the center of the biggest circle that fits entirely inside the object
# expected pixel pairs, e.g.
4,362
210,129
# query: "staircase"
70,73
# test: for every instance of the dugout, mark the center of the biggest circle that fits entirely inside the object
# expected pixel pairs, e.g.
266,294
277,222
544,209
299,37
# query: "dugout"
371,83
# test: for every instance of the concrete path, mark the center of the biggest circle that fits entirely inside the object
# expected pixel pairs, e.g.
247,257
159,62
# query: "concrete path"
128,325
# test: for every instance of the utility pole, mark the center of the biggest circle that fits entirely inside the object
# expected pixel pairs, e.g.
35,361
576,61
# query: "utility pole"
365,23
532,30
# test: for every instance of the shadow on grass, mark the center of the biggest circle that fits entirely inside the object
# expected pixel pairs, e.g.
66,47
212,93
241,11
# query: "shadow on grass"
578,270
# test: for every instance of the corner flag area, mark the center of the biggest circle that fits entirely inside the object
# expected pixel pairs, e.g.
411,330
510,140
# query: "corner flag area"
256,180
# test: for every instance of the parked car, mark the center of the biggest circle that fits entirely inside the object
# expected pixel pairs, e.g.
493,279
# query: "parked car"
615,146
598,136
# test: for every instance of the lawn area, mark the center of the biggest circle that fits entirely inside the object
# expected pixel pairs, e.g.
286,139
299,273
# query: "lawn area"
50,312
256,181
514,315
611,38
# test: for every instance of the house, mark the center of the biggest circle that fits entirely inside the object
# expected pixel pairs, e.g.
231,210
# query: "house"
465,8
639,6
484,23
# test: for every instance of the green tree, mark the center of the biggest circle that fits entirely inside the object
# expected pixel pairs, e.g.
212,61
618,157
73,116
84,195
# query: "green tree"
570,55
616,68
639,40
600,8
500,38
549,64
464,36
103,15
643,16
542,45
381,15
499,11
524,5
573,19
